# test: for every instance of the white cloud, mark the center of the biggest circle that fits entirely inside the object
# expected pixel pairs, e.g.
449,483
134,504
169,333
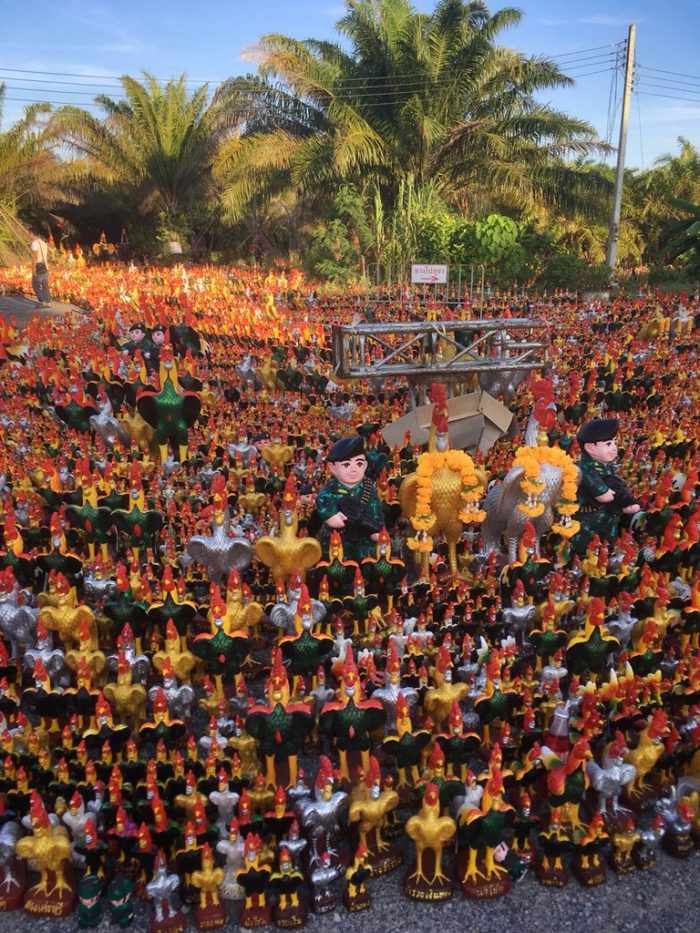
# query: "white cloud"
252,53
604,19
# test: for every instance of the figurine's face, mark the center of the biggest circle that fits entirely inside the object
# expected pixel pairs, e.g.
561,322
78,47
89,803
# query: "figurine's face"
136,334
349,472
603,451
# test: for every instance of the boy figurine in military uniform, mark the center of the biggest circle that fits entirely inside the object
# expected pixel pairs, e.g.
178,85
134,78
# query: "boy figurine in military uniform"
602,495
89,904
349,503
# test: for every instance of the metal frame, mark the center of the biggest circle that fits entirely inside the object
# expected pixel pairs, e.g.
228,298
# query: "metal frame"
499,344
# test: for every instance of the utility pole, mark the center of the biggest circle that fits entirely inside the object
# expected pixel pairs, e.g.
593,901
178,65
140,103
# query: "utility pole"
614,234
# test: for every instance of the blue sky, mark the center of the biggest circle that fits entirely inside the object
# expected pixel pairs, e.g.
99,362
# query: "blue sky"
208,39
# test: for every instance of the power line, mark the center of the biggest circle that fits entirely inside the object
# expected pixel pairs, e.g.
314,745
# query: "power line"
690,100
639,123
389,96
676,73
663,87
595,48
54,103
588,74
105,80
365,91
41,90
670,82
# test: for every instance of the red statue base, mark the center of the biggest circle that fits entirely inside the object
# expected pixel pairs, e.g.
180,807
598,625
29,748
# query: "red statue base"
175,923
59,902
482,888
210,917
589,877
679,845
255,916
357,903
289,918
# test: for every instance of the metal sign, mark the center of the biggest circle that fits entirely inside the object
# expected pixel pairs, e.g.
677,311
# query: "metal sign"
427,274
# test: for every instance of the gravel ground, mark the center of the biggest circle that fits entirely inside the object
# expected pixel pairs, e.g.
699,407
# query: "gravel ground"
665,899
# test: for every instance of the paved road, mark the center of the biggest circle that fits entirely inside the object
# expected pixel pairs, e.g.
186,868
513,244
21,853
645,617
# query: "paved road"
23,308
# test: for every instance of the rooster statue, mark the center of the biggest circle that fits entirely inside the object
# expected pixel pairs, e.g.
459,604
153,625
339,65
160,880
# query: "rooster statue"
610,776
567,781
441,496
430,833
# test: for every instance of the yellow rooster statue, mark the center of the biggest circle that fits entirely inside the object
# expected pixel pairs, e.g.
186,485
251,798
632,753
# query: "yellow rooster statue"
442,494
50,849
286,552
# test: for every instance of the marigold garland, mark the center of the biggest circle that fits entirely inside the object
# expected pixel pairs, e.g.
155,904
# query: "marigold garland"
531,459
428,464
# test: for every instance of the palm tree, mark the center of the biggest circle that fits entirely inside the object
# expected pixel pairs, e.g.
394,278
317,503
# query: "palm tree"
153,149
683,237
28,174
426,96
672,177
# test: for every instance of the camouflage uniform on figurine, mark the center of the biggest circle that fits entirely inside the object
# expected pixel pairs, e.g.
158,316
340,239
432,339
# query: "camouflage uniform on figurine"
360,522
602,495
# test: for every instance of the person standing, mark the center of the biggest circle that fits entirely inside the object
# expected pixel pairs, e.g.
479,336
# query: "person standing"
40,271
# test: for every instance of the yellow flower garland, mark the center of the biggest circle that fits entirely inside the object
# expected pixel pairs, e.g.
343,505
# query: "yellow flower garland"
531,459
423,518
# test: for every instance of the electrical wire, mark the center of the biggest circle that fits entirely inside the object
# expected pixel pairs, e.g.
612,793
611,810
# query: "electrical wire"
677,74
393,95
690,100
365,91
673,85
106,80
663,87
639,123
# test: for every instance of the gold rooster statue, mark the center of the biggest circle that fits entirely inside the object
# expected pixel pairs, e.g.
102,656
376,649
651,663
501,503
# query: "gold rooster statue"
430,832
439,698
369,806
128,698
441,496
50,849
244,612
66,614
286,552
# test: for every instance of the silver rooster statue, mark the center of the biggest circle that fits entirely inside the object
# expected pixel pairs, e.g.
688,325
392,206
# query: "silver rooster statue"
504,518
97,587
10,884
17,619
54,659
668,807
622,624
282,613
322,877
649,842
321,814
162,889
248,453
610,776
222,551
106,425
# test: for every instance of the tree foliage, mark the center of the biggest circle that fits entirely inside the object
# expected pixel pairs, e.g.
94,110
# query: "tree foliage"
430,97
153,149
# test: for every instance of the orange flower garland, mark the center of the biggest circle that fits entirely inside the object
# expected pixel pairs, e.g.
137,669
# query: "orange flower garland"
428,464
531,459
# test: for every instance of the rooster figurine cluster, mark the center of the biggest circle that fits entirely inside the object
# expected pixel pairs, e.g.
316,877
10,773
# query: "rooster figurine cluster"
258,661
